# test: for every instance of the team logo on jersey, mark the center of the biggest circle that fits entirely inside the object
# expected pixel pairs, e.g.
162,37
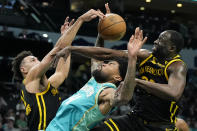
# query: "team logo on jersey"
89,90
54,91
28,109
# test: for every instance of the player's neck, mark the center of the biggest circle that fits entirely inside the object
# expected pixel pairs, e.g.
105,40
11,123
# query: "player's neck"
166,57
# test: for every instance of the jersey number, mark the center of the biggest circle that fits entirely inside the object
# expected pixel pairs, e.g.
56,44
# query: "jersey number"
146,79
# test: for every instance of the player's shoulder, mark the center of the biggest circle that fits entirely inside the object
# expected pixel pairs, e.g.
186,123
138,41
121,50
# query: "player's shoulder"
143,54
107,90
177,64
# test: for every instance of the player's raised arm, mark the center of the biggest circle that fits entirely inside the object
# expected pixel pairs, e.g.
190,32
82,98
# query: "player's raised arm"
125,92
64,40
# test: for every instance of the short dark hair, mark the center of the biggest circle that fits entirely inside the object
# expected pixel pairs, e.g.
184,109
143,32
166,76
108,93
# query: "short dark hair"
177,39
17,62
122,67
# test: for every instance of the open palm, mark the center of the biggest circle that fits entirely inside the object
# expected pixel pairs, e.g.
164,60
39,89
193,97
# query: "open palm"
136,42
66,25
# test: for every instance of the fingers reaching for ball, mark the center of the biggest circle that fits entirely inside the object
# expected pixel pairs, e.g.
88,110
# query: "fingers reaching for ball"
107,8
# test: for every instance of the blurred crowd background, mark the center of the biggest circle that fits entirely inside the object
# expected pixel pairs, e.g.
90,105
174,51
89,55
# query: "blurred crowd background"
22,23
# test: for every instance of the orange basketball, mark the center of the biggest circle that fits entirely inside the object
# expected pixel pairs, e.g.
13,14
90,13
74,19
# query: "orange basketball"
112,27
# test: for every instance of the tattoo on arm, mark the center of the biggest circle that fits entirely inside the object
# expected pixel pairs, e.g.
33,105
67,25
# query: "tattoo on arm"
95,63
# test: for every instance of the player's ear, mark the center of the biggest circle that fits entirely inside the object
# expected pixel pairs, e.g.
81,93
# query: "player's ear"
23,70
117,78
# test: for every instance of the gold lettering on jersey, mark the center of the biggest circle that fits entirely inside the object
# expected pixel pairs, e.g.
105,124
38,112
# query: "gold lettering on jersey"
151,70
28,109
54,91
156,63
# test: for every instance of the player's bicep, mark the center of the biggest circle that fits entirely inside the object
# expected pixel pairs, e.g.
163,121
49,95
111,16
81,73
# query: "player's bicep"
105,98
177,79
61,72
56,79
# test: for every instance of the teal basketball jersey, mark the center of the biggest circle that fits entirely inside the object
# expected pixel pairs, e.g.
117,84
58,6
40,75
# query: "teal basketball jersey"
80,112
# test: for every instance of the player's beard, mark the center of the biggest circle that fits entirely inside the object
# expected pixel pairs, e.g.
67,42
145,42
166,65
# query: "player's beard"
99,76
160,52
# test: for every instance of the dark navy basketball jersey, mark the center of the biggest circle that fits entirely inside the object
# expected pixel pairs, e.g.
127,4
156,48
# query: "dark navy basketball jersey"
40,107
151,107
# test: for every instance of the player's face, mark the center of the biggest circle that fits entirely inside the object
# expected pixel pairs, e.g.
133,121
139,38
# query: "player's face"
29,62
162,45
107,71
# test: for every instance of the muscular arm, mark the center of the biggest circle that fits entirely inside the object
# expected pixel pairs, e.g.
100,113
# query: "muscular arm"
176,83
40,69
67,37
63,65
63,41
61,72
125,91
95,63
100,53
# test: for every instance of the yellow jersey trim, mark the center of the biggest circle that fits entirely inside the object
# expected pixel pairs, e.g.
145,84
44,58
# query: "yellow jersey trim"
173,113
40,112
44,92
145,60
165,70
43,102
109,126
114,124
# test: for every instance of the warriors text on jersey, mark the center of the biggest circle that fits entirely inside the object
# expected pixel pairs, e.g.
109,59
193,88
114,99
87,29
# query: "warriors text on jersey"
151,107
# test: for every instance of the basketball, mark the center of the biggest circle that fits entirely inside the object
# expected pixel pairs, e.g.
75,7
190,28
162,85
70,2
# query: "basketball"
112,27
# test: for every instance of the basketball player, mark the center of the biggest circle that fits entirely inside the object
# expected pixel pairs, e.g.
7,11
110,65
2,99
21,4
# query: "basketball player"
39,94
94,101
160,84
181,125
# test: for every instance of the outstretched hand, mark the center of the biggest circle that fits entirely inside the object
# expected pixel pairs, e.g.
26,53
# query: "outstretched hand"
91,14
62,53
107,8
136,42
66,25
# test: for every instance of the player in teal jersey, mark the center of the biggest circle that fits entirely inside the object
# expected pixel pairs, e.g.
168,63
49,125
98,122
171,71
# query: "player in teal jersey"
96,99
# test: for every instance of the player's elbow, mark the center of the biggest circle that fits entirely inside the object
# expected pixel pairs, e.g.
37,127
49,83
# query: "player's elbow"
176,96
120,101
124,100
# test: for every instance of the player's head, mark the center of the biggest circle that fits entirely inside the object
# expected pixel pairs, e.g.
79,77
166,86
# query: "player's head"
22,63
168,42
110,71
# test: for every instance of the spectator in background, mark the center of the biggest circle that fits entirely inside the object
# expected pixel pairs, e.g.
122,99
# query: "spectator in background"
11,112
21,122
9,125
